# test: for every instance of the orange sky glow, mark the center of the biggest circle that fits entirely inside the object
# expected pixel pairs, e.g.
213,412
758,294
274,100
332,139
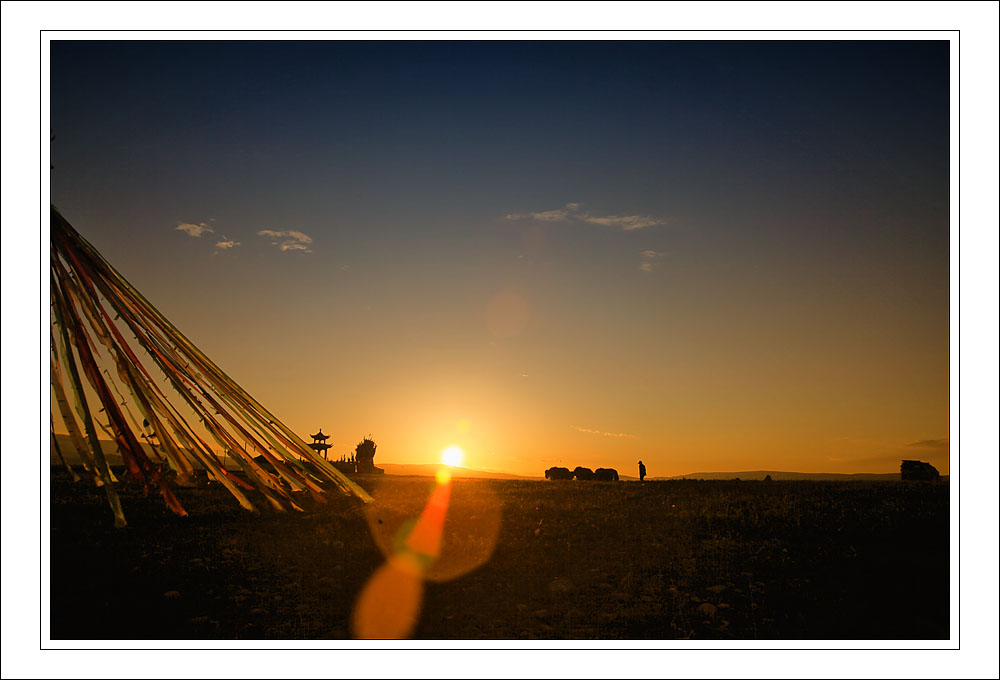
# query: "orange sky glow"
710,257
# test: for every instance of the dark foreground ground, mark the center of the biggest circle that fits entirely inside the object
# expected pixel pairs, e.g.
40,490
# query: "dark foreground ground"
556,560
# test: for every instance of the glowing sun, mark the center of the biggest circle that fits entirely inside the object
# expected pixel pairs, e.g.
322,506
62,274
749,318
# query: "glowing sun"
452,456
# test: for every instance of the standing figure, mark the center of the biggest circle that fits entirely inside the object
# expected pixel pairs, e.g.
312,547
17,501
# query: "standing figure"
642,471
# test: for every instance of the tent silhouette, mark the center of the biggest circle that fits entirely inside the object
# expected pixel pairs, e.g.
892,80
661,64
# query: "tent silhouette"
159,389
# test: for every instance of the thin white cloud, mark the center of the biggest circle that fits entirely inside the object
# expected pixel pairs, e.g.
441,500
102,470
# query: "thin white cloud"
931,444
621,435
648,260
288,239
624,222
195,230
560,215
572,212
227,244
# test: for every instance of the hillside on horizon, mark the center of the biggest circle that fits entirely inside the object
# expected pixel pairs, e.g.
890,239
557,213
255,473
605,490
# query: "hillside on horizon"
430,469
780,475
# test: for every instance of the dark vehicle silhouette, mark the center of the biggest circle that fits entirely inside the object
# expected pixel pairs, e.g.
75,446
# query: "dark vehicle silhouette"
558,473
606,475
916,470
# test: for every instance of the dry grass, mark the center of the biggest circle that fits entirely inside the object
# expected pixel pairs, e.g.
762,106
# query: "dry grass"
661,560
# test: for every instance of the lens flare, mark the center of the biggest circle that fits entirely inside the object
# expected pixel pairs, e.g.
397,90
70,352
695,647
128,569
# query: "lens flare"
389,604
435,538
470,531
452,456
507,314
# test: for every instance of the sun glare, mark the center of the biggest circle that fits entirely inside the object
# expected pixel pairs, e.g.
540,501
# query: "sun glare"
452,456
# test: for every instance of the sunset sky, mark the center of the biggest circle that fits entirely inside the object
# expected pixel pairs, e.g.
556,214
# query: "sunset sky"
709,256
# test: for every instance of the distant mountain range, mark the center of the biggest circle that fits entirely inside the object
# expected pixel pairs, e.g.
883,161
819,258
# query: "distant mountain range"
748,475
780,475
68,450
429,470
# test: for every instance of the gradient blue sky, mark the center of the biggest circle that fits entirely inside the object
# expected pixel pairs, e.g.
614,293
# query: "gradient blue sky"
709,255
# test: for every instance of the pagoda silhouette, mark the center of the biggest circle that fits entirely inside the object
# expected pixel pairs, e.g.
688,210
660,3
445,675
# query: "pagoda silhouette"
319,444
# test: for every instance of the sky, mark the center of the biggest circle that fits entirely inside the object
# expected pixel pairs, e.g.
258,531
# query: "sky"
710,256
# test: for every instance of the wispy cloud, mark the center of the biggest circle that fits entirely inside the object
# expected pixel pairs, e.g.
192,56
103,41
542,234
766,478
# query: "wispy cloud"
195,230
648,260
288,239
574,212
930,444
559,215
227,244
624,222
621,435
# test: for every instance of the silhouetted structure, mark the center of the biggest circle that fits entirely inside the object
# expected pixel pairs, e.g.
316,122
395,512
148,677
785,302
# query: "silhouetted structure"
88,298
346,464
319,444
915,470
558,473
642,471
606,475
364,455
583,474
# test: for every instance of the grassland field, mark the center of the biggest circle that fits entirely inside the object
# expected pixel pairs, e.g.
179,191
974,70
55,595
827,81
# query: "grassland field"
715,560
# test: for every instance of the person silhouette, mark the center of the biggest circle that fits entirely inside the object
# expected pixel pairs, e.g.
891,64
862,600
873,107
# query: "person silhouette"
642,471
